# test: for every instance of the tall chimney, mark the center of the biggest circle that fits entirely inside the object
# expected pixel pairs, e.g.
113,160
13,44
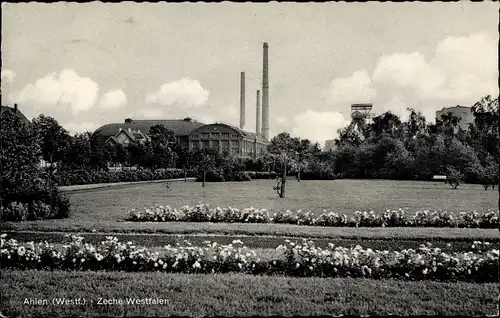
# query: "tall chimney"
15,108
242,100
265,94
257,125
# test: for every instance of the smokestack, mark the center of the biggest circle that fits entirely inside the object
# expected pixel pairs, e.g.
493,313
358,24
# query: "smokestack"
242,100
265,94
257,125
15,108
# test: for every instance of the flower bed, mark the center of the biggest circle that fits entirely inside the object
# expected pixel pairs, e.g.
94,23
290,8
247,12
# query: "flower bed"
78,177
298,259
394,218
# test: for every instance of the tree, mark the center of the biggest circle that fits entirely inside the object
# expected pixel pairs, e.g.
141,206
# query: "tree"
305,151
138,154
20,152
78,153
348,136
488,173
282,154
22,179
54,139
182,156
100,152
454,177
484,131
119,154
203,160
386,124
162,140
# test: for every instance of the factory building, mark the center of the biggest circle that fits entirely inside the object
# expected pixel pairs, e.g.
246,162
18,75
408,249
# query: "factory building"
192,135
227,138
464,112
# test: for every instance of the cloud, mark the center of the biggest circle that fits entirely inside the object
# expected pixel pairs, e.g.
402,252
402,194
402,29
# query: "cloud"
357,88
8,76
184,93
402,70
462,70
397,106
64,91
207,119
280,120
318,126
147,113
80,127
113,100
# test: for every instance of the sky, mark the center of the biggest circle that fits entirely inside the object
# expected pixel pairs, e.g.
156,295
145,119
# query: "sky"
89,64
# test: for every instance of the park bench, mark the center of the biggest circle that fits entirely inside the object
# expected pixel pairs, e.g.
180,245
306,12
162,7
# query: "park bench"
439,178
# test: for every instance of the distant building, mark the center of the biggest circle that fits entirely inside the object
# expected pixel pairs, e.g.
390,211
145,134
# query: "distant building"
15,111
139,128
463,112
223,137
126,136
330,145
190,134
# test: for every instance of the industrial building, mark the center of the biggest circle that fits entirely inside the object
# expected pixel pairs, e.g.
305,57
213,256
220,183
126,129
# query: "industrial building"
463,112
192,135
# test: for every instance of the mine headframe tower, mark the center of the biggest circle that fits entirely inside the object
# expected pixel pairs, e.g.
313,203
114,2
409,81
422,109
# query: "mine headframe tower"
359,114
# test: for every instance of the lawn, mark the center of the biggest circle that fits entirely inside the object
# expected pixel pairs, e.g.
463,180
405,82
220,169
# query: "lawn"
104,210
238,295
342,196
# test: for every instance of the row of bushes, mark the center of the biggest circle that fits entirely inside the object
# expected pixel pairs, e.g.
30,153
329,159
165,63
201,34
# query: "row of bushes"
34,199
221,175
394,218
296,259
77,177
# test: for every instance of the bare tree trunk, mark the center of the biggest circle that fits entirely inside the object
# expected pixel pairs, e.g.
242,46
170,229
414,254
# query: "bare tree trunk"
283,184
204,175
185,175
298,174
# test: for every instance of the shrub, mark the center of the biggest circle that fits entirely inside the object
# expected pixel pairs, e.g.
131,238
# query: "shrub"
394,218
14,211
76,177
301,258
317,171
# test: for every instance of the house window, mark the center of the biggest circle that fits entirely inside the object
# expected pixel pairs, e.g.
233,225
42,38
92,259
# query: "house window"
225,135
225,144
204,135
215,135
215,144
195,145
195,136
205,144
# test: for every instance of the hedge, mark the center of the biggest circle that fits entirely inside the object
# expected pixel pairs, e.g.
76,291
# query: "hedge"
78,177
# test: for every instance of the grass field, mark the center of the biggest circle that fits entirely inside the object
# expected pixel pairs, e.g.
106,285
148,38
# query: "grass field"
343,196
104,210
239,295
